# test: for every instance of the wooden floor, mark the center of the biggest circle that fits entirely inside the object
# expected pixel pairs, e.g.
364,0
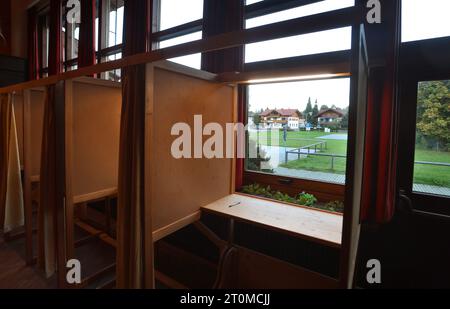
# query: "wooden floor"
15,274
94,255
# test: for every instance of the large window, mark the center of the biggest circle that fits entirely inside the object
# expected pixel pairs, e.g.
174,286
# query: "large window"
296,12
299,129
111,35
70,39
177,12
425,19
178,22
300,45
432,152
44,34
194,60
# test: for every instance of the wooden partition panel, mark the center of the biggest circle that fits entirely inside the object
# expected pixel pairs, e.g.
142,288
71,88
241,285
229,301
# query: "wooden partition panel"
179,187
93,109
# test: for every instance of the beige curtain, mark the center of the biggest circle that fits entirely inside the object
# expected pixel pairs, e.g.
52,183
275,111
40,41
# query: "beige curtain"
11,194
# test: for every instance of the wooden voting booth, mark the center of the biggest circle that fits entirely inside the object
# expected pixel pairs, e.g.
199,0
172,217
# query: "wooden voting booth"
92,131
175,187
179,190
179,187
29,114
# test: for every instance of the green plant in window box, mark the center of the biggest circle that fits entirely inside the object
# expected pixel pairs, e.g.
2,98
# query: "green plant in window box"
303,199
306,199
336,206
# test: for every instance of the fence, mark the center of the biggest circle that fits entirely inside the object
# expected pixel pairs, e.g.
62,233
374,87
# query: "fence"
333,156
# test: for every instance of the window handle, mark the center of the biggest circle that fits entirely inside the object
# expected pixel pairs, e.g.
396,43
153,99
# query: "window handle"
403,197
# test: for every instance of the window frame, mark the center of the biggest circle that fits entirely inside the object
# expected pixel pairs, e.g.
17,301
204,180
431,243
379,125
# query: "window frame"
330,62
324,191
415,67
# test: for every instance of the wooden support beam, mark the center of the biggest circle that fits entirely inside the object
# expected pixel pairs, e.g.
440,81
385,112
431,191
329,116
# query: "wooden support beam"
108,285
96,276
216,240
168,281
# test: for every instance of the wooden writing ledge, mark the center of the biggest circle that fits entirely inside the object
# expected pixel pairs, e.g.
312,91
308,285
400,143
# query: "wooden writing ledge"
313,225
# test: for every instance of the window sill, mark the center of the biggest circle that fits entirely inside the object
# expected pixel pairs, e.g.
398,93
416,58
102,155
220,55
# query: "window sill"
310,224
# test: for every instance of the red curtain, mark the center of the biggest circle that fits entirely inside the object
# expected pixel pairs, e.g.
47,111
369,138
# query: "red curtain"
131,258
220,17
86,47
379,189
55,48
33,45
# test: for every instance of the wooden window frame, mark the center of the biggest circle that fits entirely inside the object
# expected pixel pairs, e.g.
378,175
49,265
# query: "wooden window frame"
338,61
415,67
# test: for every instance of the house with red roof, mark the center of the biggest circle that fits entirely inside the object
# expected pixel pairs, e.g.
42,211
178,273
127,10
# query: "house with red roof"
330,117
277,118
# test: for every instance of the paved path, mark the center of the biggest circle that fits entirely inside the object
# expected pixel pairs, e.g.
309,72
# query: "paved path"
338,137
311,175
340,179
431,189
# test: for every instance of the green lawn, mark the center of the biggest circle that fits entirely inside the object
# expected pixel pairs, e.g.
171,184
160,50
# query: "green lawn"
423,174
432,175
312,163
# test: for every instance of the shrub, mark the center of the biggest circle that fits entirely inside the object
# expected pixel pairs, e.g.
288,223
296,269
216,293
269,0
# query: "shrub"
303,198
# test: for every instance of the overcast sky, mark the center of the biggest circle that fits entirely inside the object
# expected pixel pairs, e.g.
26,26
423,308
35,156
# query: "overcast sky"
421,19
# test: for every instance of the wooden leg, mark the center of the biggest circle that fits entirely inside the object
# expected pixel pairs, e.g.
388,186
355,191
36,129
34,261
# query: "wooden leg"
108,216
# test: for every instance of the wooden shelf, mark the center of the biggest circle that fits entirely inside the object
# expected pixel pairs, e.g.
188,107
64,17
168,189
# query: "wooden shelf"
314,225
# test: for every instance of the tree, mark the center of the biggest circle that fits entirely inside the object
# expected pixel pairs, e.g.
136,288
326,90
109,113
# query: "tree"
433,114
315,112
344,122
308,111
256,119
324,107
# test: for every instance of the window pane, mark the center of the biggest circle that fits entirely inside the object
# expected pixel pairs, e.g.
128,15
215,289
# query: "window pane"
301,11
300,45
194,60
432,155
71,32
178,12
45,40
296,129
425,19
115,22
248,2
114,75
